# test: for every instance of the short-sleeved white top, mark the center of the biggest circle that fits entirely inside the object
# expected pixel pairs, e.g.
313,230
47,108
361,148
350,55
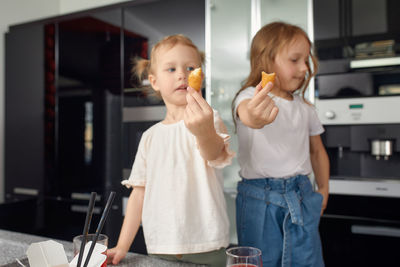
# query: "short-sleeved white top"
184,208
280,149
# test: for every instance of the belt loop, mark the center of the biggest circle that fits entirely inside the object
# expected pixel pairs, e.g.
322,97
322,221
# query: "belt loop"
267,185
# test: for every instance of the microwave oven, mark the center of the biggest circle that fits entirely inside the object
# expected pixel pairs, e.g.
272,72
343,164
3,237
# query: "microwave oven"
378,77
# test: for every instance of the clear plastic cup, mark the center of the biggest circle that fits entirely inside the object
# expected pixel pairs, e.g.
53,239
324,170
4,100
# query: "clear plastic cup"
243,257
77,240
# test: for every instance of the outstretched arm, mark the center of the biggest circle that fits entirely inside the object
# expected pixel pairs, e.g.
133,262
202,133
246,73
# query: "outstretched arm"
199,119
130,226
320,165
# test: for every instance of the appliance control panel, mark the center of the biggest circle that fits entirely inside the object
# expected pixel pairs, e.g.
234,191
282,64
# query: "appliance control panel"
367,110
377,188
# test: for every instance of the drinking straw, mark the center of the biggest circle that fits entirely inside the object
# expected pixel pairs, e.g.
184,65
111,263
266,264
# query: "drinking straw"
89,214
100,226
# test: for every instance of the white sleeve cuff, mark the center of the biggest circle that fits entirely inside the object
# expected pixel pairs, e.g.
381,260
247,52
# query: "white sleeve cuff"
130,184
226,159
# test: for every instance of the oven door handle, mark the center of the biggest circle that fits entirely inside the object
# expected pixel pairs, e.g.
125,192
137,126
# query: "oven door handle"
375,230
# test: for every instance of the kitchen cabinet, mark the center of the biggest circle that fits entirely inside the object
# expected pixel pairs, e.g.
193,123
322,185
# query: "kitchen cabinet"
339,25
360,231
69,93
24,131
63,119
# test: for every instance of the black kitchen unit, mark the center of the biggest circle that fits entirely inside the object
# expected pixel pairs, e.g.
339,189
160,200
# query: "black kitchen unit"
349,28
74,114
361,225
65,108
357,95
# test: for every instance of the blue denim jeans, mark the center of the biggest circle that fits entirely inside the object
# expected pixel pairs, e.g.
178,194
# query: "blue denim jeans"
280,217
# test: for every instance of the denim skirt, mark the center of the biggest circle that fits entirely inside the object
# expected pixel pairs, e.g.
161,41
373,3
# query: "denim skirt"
280,217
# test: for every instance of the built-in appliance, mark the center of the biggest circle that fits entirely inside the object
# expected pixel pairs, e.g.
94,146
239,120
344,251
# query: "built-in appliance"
359,106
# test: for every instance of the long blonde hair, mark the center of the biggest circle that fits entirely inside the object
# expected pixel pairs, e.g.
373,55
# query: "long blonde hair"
143,67
266,44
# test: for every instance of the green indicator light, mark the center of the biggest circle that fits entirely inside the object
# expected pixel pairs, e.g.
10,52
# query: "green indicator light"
356,106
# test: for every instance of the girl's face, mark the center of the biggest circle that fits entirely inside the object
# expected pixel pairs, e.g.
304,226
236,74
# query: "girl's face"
171,70
290,64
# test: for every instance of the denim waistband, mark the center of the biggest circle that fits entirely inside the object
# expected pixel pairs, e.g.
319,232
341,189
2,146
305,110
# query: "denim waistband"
284,192
279,184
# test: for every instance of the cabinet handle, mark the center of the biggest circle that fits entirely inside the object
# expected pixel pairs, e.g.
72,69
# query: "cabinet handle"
82,209
26,191
375,230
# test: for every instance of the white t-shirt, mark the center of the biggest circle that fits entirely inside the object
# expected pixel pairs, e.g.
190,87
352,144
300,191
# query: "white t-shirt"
184,208
280,149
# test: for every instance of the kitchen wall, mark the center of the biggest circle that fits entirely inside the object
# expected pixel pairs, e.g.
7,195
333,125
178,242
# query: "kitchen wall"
69,6
20,11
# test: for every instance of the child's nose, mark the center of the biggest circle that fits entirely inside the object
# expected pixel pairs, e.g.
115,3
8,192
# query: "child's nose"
304,67
181,74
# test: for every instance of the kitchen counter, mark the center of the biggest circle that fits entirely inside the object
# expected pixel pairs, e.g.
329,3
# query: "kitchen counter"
13,246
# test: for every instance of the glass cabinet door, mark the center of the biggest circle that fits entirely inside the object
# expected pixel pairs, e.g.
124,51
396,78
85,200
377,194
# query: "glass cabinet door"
88,95
297,12
228,60
291,11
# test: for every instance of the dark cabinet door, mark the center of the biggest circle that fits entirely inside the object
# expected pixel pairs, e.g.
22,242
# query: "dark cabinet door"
24,114
340,25
89,103
360,231
359,242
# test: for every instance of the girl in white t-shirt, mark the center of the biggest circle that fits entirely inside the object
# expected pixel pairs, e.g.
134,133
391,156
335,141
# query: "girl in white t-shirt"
279,146
177,195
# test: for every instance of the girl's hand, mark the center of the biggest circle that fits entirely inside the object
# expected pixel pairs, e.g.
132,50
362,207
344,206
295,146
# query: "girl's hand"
198,116
261,108
115,255
325,195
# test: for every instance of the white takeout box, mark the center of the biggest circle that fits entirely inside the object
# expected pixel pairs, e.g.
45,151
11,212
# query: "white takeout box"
97,258
47,254
51,254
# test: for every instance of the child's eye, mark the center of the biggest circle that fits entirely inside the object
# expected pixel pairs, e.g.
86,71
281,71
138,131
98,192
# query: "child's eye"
171,69
189,68
294,60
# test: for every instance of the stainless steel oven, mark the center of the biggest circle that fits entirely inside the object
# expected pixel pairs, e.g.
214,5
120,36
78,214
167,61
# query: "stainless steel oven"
358,103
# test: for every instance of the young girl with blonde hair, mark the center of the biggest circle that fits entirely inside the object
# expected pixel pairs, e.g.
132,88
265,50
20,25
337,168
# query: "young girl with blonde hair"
177,194
279,146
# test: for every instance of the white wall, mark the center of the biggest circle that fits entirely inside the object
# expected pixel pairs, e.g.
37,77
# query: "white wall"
69,6
19,11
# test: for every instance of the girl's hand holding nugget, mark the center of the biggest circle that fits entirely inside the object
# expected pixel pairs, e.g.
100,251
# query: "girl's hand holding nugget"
198,116
260,110
199,119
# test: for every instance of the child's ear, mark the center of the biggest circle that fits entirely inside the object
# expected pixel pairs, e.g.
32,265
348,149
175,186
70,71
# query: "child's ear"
152,80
